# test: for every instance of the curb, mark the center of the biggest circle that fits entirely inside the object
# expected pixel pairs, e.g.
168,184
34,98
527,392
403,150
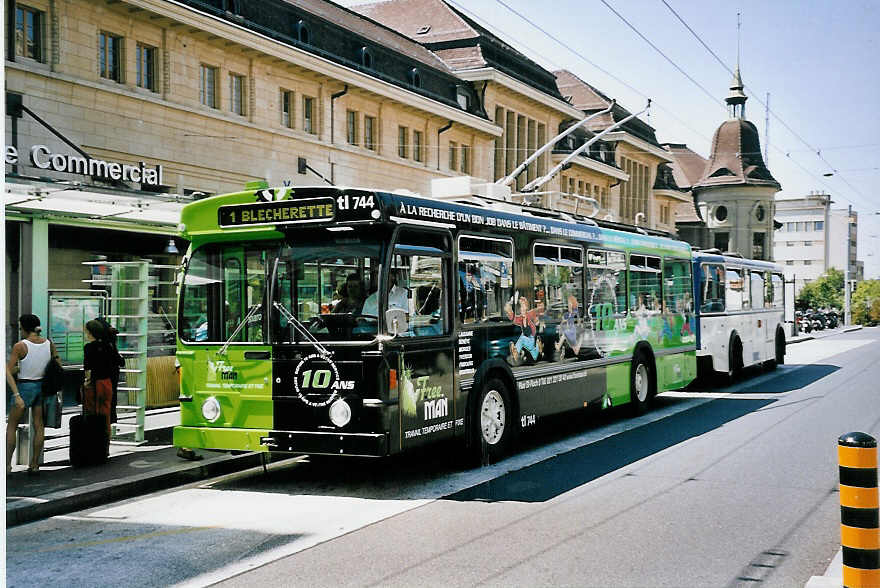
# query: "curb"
801,339
67,501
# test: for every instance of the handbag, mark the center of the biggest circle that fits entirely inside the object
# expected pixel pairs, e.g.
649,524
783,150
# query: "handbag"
53,378
52,410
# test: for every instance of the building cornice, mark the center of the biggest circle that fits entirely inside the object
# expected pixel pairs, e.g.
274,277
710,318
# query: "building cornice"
489,74
642,145
243,36
593,165
674,195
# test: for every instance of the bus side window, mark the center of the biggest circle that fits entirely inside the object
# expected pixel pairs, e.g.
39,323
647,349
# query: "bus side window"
677,287
485,278
644,283
417,285
757,286
557,279
712,288
734,297
606,288
778,290
231,296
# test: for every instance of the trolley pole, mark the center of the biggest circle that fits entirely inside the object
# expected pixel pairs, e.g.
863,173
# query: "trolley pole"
859,533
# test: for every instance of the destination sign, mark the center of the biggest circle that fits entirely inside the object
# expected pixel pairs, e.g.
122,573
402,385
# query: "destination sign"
276,213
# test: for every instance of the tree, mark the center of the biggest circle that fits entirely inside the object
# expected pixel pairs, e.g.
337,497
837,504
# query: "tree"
866,303
827,291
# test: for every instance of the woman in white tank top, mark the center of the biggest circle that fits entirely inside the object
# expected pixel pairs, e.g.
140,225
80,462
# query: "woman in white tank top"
29,358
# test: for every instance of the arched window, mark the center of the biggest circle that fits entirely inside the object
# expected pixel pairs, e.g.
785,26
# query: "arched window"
415,77
303,33
366,58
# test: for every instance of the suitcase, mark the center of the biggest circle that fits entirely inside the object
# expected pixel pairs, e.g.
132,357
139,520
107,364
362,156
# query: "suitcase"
89,441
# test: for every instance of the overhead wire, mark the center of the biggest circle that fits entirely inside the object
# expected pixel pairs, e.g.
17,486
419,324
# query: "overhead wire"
577,54
677,67
755,96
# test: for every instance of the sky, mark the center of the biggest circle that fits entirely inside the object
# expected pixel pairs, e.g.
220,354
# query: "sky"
819,60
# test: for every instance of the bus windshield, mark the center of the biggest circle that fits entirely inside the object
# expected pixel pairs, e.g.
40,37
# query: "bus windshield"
323,285
331,288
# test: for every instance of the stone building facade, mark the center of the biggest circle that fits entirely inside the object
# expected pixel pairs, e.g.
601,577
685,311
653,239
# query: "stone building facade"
172,101
205,96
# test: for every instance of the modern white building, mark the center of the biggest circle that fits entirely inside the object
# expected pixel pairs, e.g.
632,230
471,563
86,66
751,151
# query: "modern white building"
814,238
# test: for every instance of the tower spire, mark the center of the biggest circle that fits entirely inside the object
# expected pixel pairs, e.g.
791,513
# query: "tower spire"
736,99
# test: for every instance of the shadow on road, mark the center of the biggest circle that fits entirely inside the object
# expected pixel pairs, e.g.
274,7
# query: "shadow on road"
554,476
792,380
408,476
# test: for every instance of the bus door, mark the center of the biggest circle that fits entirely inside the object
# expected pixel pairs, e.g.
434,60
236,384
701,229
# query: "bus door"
418,283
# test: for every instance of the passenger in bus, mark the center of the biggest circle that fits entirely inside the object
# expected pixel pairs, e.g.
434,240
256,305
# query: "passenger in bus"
529,322
352,296
398,296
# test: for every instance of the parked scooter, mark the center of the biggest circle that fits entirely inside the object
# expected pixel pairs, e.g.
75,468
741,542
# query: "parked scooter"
803,322
832,319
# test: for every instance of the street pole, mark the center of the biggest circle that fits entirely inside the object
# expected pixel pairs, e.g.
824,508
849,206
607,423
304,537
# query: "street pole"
847,318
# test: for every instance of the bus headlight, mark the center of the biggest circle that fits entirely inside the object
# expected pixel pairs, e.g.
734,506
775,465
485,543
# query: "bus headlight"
211,409
340,413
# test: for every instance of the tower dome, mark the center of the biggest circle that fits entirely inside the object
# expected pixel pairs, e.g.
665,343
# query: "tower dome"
736,158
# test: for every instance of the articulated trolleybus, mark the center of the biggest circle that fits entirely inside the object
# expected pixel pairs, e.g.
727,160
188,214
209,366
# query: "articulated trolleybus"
741,312
345,321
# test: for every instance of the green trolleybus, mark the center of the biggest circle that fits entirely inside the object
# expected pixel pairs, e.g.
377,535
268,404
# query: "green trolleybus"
324,320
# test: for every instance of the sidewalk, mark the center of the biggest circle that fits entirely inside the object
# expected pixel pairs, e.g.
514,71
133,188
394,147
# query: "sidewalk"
821,334
132,470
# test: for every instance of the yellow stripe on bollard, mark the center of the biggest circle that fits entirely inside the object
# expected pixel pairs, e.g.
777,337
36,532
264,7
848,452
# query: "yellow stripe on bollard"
853,577
857,457
859,538
858,497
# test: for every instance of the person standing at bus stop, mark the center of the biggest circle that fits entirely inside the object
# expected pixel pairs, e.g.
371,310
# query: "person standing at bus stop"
29,358
100,361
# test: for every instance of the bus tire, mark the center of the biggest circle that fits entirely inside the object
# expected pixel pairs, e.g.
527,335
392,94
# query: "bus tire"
642,383
493,421
735,359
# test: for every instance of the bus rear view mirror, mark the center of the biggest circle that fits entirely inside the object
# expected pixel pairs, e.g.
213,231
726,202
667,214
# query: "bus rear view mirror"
395,319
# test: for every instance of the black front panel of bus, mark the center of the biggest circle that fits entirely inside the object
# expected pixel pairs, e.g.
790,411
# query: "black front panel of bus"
305,386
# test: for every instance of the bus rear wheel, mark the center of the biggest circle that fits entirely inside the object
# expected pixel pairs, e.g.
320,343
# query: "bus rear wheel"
493,422
642,383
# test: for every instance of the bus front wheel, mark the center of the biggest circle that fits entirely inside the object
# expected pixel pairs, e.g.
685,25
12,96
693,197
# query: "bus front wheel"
642,383
494,421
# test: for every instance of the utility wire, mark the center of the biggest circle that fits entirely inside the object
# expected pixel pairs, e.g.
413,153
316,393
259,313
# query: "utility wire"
755,96
580,56
711,96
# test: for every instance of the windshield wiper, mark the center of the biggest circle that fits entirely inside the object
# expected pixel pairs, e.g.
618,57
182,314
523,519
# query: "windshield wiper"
301,329
237,330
